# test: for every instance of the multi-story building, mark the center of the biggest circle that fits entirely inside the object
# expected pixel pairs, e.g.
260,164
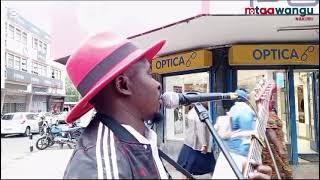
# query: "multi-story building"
30,79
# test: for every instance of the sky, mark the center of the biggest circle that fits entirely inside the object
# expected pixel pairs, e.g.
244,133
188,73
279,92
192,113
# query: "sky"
68,22
131,17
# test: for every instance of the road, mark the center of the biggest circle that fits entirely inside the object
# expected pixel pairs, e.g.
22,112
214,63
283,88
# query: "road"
16,157
15,147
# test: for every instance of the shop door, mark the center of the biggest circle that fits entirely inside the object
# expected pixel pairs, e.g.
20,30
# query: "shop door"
248,80
315,130
306,97
175,119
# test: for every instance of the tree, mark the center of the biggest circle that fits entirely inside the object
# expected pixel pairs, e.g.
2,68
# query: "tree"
72,95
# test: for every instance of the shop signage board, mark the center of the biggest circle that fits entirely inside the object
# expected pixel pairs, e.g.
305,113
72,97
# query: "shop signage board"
190,60
274,54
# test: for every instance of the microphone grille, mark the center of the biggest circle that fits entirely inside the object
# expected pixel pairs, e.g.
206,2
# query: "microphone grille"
170,99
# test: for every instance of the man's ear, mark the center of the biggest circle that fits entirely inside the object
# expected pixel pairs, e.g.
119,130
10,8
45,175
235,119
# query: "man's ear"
122,85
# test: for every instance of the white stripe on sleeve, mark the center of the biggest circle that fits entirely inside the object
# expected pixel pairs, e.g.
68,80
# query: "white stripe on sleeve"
114,157
106,154
98,152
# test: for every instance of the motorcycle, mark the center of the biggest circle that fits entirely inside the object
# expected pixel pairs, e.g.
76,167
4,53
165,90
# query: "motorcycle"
56,135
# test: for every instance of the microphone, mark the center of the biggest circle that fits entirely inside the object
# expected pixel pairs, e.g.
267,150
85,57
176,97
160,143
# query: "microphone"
173,100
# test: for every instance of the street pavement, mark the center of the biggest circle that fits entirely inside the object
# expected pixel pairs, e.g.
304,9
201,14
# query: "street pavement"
45,164
14,147
18,162
306,171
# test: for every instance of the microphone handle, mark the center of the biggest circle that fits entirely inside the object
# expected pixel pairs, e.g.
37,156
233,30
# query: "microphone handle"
192,97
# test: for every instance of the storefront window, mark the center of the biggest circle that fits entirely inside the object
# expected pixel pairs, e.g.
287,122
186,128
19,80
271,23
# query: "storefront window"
248,80
305,110
175,118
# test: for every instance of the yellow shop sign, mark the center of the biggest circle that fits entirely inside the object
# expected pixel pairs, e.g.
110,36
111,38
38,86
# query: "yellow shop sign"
184,61
274,54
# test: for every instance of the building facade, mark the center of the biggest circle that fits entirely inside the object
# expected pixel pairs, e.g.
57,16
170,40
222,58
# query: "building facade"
30,80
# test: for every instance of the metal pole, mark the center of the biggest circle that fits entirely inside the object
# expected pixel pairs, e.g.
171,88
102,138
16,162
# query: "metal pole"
272,157
204,117
31,142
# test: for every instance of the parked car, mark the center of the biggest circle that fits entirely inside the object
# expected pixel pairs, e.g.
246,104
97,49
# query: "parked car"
19,123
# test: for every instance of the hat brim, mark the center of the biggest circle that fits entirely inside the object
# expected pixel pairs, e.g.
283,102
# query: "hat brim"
83,106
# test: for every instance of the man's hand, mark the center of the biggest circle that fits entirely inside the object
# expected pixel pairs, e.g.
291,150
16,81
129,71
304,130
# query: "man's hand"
260,172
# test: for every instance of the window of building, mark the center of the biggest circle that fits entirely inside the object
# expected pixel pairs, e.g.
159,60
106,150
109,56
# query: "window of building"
35,68
43,70
17,62
6,30
11,32
24,38
39,69
56,74
45,48
52,73
10,60
24,64
40,45
18,34
35,43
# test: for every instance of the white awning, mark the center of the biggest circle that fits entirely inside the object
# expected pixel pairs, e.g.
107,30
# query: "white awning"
205,31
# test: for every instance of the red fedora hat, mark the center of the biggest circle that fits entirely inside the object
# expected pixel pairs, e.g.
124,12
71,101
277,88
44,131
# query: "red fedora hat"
98,61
